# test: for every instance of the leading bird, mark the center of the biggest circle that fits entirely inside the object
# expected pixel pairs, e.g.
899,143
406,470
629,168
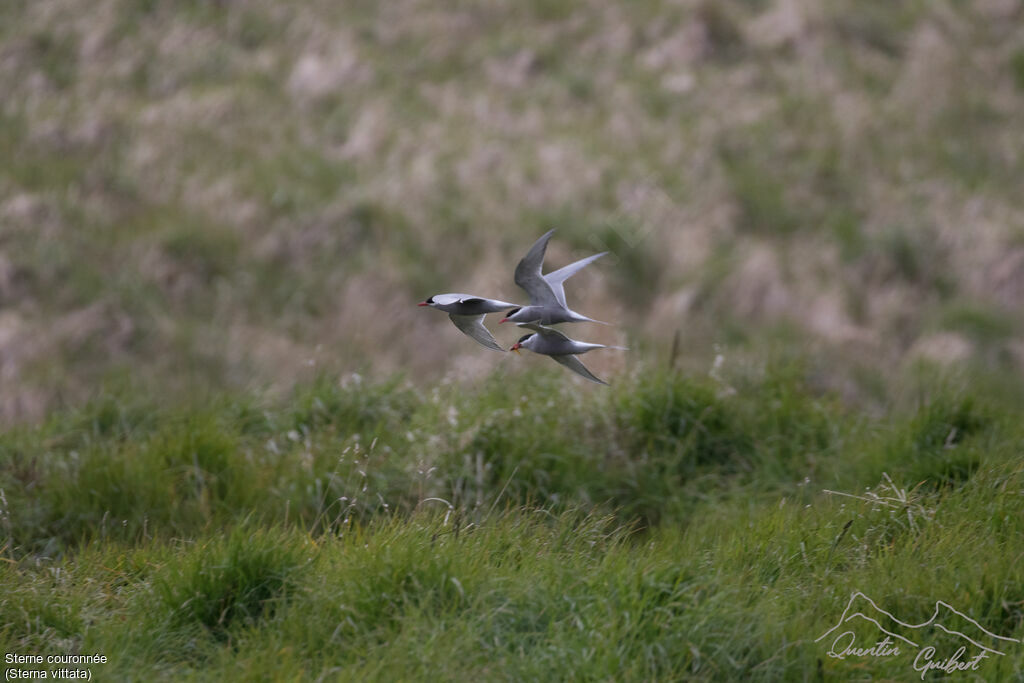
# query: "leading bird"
467,312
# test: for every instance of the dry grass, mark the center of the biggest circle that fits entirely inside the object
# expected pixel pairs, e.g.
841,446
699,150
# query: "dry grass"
239,188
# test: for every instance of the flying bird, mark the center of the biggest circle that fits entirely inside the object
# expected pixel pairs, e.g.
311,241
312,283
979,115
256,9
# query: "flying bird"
467,313
549,342
546,292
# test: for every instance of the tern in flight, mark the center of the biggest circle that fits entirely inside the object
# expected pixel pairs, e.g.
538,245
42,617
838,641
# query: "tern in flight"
547,298
546,292
467,312
549,342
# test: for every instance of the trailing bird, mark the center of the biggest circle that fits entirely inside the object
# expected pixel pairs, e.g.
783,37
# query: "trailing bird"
560,348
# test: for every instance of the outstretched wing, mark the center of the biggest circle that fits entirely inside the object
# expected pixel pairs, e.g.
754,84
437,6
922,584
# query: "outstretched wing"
528,275
574,364
493,305
473,326
445,299
556,279
549,332
471,300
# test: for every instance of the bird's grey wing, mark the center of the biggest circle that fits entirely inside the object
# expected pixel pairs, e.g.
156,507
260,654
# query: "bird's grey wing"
549,332
497,304
445,299
528,275
473,326
574,364
556,279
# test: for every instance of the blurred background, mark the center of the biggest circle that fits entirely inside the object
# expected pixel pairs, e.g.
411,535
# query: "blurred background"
239,194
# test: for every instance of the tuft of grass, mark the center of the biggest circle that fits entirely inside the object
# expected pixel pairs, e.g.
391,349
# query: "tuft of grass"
724,32
908,255
242,578
984,325
760,196
205,252
356,408
940,439
57,56
1017,68
682,420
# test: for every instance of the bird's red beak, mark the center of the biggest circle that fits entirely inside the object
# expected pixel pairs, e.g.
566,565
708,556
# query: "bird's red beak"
515,347
423,303
503,320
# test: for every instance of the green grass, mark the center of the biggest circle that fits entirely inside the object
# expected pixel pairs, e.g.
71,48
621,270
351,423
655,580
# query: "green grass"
666,528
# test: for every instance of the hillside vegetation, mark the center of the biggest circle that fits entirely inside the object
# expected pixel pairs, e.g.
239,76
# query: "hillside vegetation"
222,193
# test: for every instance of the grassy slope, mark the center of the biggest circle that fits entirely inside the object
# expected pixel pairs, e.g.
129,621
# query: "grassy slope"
665,528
